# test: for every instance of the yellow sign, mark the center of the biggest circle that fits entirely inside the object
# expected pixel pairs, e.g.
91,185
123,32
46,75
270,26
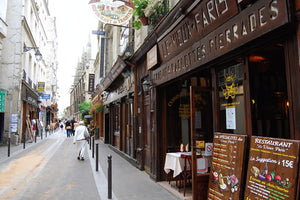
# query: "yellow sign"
41,86
200,144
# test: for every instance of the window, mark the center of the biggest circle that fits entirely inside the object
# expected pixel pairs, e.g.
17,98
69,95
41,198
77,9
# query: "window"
269,99
231,98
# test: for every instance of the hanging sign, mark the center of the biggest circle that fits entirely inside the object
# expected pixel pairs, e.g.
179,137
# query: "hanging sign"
41,86
91,82
45,96
112,12
272,171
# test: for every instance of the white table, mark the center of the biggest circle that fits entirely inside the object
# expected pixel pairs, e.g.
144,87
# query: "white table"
175,162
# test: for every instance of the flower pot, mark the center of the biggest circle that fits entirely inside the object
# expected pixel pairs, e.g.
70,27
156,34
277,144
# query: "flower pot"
144,20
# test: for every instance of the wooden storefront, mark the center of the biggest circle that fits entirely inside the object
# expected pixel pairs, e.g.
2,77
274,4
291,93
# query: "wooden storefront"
117,120
226,67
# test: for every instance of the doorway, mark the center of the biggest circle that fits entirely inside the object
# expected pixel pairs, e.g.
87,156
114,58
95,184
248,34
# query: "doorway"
201,133
147,134
106,138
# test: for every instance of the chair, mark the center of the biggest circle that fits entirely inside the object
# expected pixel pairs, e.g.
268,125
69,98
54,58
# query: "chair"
187,172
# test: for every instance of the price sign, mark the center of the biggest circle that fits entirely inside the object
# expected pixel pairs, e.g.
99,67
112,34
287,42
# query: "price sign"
272,169
226,180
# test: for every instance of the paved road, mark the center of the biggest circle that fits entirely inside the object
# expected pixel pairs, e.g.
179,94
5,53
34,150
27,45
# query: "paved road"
48,170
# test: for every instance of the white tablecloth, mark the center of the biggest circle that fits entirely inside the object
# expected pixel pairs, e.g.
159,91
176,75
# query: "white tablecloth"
175,162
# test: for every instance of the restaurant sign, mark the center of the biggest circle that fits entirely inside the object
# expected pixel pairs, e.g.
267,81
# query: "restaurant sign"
112,11
211,30
272,171
226,177
91,83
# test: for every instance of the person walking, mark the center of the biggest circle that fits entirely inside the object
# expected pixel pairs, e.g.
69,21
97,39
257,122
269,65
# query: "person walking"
69,128
73,121
81,134
61,126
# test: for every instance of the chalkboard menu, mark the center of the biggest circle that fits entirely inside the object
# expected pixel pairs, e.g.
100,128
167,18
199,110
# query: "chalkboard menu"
272,171
225,181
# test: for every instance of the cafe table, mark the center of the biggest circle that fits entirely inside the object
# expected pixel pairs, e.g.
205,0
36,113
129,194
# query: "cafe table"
176,162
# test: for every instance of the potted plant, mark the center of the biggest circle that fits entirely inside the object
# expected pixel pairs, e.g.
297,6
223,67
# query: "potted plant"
139,14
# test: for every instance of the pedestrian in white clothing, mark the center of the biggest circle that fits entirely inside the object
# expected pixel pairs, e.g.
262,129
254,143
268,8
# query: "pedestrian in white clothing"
80,138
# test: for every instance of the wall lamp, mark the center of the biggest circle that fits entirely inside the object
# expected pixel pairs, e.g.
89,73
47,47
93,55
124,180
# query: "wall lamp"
146,85
37,54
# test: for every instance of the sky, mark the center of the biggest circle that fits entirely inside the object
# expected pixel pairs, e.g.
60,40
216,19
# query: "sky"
74,23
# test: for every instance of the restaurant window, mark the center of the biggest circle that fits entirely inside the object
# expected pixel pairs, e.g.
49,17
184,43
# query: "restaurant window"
231,98
269,99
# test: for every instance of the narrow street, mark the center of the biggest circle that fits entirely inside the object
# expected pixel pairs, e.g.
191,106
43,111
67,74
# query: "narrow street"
47,170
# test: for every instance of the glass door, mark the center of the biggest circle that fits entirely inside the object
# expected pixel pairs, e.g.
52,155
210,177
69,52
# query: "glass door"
201,133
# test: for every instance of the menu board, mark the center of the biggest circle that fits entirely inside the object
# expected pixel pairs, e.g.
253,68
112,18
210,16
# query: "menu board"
272,169
225,180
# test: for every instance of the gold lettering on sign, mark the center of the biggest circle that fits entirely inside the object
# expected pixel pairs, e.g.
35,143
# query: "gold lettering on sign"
253,22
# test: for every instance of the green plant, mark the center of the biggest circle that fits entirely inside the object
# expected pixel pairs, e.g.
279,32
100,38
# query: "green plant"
138,12
99,108
84,108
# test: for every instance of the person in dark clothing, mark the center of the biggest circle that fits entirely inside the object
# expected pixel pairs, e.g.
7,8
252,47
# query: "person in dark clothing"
72,124
69,128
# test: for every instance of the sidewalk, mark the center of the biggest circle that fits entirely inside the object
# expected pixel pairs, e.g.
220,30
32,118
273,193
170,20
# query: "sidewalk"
16,149
128,182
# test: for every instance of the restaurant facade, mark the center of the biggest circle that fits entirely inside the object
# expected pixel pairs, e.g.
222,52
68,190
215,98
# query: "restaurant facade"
214,69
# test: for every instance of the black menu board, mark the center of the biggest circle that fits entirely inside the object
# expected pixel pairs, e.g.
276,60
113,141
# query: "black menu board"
272,171
225,181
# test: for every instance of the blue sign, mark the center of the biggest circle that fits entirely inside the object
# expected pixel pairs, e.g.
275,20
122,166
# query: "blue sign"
98,32
45,96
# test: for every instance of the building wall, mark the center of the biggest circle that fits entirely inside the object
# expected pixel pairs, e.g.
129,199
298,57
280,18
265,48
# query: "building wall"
28,26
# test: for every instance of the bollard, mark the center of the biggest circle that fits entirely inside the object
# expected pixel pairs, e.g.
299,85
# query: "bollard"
8,150
109,181
97,152
93,148
24,140
90,141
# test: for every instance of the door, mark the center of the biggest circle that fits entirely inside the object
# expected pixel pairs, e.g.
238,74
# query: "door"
147,135
201,130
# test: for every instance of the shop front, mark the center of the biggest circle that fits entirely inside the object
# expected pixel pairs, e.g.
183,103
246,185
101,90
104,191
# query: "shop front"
225,68
30,110
118,114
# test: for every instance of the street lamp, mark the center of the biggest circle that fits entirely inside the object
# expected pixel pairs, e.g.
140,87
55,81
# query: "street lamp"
37,54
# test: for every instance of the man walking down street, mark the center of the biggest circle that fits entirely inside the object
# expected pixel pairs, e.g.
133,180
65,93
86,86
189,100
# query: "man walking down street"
79,138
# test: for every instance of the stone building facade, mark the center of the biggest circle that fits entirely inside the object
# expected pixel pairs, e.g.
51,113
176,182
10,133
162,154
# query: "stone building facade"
27,79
